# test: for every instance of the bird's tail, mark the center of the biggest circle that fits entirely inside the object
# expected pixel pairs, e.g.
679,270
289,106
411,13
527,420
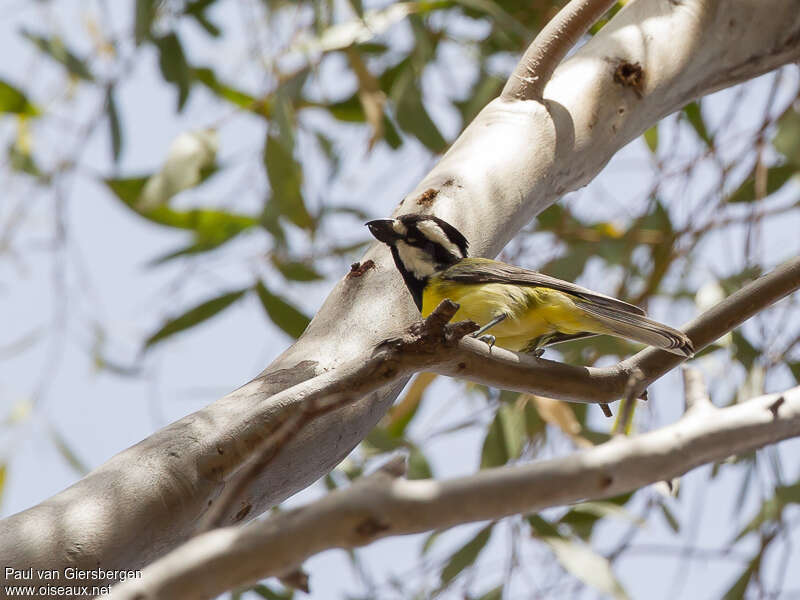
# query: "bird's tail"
639,328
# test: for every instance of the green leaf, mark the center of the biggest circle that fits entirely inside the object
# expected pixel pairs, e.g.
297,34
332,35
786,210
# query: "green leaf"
197,10
357,31
143,20
486,88
283,314
296,270
794,367
379,441
285,178
114,129
270,594
739,587
581,518
418,466
671,520
411,114
772,508
21,160
207,77
695,117
16,102
429,541
776,178
504,20
466,555
211,227
55,48
542,528
66,452
745,352
787,136
390,134
534,424
585,564
326,144
174,68
651,138
194,316
358,7
195,248
505,436
493,594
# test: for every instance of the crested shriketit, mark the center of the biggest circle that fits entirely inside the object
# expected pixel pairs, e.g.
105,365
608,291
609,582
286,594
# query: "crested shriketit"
522,310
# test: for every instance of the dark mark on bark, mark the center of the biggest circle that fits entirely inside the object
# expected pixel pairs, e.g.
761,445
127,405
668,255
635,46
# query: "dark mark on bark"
243,512
357,269
370,527
773,408
630,75
303,370
462,366
297,579
427,197
606,481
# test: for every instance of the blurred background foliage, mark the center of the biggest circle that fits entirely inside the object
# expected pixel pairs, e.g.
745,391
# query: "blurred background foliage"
299,141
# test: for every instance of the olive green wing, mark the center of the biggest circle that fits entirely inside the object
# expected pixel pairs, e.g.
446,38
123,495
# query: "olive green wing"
482,270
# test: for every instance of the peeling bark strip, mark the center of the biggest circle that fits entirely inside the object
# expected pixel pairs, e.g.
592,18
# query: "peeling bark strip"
515,159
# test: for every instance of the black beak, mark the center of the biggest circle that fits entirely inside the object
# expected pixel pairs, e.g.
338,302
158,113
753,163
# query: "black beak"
383,231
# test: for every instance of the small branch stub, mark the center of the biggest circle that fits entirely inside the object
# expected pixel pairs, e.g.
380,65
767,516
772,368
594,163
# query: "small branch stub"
695,392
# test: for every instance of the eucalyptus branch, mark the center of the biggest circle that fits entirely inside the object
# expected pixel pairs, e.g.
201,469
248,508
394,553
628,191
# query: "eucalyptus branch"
475,361
384,504
550,47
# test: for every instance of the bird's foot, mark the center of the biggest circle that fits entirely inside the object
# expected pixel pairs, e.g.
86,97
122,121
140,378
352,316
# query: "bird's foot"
488,339
538,353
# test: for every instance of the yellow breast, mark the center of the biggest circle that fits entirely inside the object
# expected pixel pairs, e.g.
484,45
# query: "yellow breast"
532,311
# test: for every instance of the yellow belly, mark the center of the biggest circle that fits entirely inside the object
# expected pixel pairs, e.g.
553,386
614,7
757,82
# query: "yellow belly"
532,311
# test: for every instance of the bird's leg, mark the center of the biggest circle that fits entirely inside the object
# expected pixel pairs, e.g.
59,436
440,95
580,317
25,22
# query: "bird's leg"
490,324
489,339
536,346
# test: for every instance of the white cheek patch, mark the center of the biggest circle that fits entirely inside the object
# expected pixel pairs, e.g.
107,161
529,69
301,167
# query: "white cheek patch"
416,260
398,227
435,234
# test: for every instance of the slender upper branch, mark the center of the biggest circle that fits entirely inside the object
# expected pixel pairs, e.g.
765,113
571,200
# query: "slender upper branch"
474,360
384,505
551,46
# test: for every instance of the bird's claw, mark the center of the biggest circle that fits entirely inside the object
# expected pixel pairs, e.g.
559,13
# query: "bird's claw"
538,353
488,339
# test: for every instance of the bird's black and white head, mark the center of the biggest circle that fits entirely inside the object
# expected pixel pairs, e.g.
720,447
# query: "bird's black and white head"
421,246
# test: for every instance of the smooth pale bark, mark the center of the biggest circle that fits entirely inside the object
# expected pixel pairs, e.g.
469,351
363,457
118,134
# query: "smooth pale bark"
384,505
514,160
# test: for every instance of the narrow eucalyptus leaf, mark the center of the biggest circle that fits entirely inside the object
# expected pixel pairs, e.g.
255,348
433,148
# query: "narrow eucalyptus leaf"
194,316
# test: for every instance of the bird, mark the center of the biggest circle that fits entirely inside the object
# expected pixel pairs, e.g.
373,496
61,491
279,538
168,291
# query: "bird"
515,308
